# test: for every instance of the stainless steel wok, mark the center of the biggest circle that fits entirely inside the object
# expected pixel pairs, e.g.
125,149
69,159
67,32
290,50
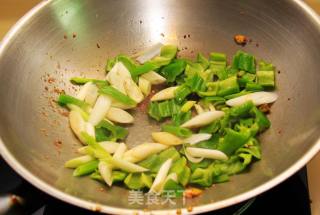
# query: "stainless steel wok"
60,39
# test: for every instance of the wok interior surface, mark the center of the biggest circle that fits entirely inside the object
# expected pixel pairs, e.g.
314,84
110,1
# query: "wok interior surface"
73,38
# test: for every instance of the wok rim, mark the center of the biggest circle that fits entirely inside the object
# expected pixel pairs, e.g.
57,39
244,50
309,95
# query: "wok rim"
68,198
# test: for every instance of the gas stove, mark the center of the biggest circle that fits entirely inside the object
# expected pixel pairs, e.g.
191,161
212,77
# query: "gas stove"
17,197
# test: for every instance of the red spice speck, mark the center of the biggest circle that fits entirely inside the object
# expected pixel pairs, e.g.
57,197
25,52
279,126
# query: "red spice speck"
101,189
178,211
57,144
74,35
15,200
97,208
189,208
143,106
240,39
98,46
46,88
65,113
57,90
51,80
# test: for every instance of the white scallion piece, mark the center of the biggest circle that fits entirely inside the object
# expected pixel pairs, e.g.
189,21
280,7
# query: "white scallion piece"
120,151
142,151
153,77
75,162
105,171
258,98
164,94
161,177
117,75
109,146
84,91
73,107
191,158
150,53
77,124
132,90
120,105
83,150
100,109
92,95
126,166
211,107
118,115
206,153
90,129
196,138
145,86
166,138
203,119
198,108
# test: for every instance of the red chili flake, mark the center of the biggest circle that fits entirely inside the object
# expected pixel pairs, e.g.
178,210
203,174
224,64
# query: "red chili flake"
240,39
189,209
265,108
97,208
15,200
65,113
57,90
57,144
184,36
279,72
51,80
192,192
189,35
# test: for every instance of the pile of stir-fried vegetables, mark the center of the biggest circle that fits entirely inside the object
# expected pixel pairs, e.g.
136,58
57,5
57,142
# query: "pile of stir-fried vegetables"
214,117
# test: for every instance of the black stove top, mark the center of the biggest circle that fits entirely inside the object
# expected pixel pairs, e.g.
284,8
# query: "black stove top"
290,197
